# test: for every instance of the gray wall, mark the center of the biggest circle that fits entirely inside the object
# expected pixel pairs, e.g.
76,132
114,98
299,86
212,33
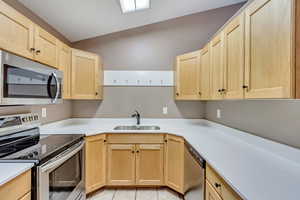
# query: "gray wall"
278,120
151,47
122,101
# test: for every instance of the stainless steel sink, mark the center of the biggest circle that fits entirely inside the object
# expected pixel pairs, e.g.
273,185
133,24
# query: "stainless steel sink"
129,128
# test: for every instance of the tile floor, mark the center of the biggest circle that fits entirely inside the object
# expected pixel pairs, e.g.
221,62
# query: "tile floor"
135,194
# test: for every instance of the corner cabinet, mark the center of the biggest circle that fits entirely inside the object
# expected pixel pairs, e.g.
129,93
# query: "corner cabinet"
86,75
187,76
95,157
64,64
174,174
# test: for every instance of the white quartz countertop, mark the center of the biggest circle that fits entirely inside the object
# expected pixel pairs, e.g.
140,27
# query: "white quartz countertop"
258,169
9,171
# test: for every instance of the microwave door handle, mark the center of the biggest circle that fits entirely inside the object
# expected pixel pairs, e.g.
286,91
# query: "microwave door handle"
56,162
57,87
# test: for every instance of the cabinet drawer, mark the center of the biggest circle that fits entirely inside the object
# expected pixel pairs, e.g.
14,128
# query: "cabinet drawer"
214,179
135,138
223,189
17,188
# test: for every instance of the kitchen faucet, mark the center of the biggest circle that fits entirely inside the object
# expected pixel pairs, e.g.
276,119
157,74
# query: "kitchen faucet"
137,116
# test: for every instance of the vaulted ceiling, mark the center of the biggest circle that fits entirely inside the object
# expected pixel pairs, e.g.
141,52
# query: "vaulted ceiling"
82,19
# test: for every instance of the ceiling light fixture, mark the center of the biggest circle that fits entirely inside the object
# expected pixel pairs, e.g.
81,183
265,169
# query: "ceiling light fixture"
134,5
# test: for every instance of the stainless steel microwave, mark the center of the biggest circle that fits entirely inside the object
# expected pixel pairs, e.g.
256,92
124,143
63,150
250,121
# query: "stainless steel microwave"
25,82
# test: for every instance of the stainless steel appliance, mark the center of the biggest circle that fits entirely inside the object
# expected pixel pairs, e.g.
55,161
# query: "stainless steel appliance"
23,81
59,171
195,177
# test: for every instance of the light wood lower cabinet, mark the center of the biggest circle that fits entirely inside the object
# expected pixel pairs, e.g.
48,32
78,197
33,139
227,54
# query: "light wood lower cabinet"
121,164
18,188
95,162
174,173
149,164
219,186
210,193
27,196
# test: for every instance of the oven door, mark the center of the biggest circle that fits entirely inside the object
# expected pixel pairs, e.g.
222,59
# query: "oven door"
63,177
26,82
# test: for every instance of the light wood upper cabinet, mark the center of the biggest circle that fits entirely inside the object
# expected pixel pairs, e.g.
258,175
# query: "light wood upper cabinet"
95,162
187,76
216,50
16,32
46,47
174,171
269,49
85,75
234,58
121,164
205,68
149,164
64,64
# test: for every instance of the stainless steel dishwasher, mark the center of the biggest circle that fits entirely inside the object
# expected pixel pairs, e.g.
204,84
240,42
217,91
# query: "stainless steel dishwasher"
194,174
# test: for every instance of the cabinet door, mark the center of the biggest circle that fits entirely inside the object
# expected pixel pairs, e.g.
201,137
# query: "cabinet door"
16,33
26,197
64,64
121,164
187,76
174,163
211,194
269,49
216,49
45,47
234,58
205,73
85,75
149,164
95,162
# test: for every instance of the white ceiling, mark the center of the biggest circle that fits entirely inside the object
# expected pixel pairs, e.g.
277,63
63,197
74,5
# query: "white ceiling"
82,19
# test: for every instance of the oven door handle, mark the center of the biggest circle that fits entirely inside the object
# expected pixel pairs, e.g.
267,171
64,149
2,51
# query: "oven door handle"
57,87
61,158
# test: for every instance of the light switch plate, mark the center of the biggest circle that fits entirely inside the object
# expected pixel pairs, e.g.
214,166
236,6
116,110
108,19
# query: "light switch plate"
218,113
44,112
165,110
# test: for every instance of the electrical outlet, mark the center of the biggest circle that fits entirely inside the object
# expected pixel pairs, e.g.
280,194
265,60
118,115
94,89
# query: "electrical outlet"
165,110
219,113
44,112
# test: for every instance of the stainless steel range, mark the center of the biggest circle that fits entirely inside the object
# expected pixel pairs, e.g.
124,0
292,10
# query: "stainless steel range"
59,172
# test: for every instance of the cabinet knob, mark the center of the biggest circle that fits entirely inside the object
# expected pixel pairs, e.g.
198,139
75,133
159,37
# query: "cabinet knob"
138,151
217,185
104,140
38,52
200,93
177,94
219,90
96,93
166,140
132,151
32,49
